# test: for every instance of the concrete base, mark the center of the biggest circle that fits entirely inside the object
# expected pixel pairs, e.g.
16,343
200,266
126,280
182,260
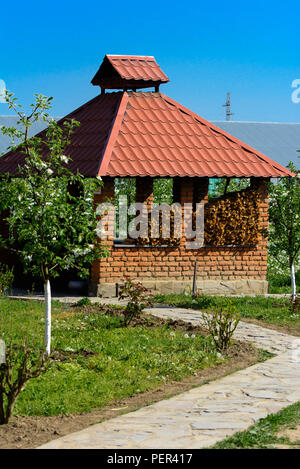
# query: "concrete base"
208,287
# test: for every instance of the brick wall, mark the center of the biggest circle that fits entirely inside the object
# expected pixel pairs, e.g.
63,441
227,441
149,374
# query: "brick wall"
177,263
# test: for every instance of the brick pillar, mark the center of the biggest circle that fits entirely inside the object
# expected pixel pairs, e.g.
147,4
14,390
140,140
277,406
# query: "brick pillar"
176,189
186,197
200,196
260,185
144,190
200,186
192,191
101,266
144,195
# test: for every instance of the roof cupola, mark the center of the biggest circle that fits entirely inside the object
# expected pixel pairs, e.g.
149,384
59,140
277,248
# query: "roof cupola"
129,72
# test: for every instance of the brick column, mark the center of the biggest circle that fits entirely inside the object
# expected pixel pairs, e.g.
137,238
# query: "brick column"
102,266
200,196
144,195
144,190
186,197
192,191
176,189
260,185
200,187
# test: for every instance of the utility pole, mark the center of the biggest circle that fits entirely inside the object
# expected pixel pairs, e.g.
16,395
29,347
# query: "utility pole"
227,105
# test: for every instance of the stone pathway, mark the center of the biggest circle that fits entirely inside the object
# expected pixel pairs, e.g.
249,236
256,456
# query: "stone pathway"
202,416
267,339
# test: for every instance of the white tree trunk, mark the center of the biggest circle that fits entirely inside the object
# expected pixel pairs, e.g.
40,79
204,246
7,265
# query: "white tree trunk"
47,340
293,278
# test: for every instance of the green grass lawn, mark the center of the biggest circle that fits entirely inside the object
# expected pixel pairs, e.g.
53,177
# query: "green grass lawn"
120,361
275,311
265,433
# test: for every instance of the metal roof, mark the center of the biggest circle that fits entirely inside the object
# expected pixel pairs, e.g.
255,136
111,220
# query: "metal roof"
150,134
280,141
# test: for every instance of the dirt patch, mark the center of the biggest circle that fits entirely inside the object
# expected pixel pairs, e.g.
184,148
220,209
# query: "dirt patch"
30,432
293,434
144,319
279,446
60,355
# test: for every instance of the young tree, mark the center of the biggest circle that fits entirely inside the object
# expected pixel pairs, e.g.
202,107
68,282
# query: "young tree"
284,215
51,217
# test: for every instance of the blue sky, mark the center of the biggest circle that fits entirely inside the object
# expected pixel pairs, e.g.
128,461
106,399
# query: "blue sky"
206,48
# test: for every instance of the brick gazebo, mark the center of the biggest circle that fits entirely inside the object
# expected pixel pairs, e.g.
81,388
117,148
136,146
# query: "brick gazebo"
147,135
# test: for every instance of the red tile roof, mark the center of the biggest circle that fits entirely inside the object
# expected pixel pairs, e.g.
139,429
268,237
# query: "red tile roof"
149,134
129,72
88,141
155,136
137,67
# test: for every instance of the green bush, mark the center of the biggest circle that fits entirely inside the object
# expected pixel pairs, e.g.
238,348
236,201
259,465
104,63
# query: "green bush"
138,298
221,323
6,278
204,301
84,302
281,282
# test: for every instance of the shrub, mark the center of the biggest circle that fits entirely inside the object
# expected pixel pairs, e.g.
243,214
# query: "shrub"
138,298
204,301
6,278
21,365
84,302
281,279
221,323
